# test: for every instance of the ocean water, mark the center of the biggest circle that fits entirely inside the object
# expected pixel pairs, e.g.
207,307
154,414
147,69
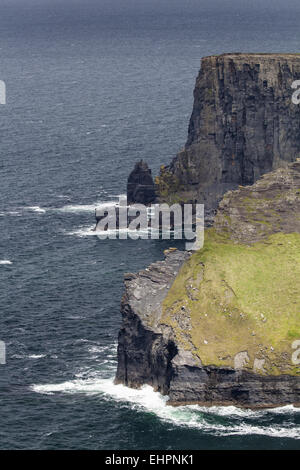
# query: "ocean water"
93,86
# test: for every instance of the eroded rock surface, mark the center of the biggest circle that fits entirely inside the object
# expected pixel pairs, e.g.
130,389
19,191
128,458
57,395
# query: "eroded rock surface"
140,185
243,125
146,347
271,205
218,326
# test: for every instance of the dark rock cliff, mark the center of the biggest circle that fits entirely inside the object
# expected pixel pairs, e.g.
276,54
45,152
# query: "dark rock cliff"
148,353
217,327
199,347
145,347
243,125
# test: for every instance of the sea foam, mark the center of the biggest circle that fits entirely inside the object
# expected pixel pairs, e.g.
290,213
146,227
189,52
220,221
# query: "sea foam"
191,416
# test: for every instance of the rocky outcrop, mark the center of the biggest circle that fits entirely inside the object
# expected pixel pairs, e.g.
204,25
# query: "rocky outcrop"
145,347
220,326
140,185
243,125
140,190
272,205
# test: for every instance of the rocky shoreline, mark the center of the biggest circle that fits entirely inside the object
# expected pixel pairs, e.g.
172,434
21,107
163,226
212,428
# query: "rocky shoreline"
145,347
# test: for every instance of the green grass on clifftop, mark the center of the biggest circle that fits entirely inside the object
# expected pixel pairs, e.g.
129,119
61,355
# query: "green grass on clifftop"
231,298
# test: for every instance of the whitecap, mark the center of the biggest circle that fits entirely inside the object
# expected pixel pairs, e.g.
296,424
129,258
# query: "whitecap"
37,209
83,231
97,349
36,356
88,231
80,208
191,416
15,213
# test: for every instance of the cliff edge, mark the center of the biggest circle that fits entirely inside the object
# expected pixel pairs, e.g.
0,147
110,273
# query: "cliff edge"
220,326
243,124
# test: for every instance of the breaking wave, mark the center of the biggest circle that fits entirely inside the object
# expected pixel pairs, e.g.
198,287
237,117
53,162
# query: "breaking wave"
68,208
36,356
228,420
81,208
87,231
37,209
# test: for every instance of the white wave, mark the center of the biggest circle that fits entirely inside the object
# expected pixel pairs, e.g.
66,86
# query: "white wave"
20,211
76,208
192,416
288,409
15,213
74,317
69,208
5,261
79,208
244,412
38,209
88,231
36,356
83,231
100,349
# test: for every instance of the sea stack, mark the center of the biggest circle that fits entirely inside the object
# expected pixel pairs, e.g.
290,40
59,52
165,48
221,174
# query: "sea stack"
140,185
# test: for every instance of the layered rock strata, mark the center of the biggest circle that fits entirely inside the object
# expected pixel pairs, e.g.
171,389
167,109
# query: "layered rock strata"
222,326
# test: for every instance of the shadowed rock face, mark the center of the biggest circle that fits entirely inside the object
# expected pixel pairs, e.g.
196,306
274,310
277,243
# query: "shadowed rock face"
144,353
243,125
183,330
140,185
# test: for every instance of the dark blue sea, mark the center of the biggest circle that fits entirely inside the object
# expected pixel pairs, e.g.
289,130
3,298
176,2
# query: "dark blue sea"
92,87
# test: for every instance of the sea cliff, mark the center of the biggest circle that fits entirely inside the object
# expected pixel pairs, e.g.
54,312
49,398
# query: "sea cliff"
218,326
243,124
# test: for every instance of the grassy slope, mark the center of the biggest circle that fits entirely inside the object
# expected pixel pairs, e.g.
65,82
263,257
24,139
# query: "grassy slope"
230,298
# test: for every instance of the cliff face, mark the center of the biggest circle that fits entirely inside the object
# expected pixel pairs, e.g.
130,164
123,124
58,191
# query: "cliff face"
243,125
145,347
218,326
